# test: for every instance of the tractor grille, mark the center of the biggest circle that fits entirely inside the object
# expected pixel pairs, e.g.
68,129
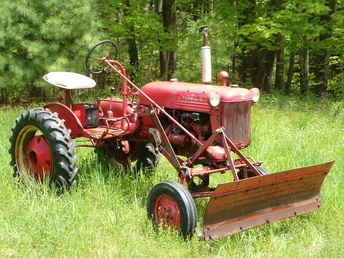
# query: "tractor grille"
236,118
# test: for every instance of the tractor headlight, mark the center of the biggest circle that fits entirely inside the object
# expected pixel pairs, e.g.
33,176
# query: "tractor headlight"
214,99
255,94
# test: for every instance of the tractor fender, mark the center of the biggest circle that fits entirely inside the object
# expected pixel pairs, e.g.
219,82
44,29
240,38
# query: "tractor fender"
72,122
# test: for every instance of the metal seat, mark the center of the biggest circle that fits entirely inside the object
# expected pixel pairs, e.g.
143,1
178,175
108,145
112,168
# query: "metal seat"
69,81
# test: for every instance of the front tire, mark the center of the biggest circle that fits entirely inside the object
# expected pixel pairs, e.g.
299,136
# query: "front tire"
41,147
170,204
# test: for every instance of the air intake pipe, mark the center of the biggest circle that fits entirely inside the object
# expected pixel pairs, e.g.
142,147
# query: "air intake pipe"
206,56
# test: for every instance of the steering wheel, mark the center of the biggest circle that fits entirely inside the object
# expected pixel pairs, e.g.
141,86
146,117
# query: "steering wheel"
103,49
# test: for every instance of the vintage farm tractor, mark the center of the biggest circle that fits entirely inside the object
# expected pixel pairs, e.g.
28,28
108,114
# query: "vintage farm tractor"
200,129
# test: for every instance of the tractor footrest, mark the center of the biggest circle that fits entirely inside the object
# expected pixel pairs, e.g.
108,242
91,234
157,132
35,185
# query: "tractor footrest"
103,132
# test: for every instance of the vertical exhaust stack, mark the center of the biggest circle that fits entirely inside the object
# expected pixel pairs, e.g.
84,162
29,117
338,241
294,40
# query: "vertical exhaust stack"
206,56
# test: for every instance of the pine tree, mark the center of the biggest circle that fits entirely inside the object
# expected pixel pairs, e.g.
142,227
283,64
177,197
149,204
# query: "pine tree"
41,36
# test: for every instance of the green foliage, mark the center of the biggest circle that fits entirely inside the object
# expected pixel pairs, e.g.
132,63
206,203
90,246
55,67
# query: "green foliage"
300,22
134,19
337,41
336,84
41,36
222,42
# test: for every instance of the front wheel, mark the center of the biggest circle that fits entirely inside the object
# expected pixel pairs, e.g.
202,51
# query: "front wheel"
41,148
170,204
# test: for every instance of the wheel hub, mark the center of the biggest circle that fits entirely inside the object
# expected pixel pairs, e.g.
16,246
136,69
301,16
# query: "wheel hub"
167,211
39,157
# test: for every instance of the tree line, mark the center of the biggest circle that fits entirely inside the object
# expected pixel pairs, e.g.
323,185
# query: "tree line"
287,45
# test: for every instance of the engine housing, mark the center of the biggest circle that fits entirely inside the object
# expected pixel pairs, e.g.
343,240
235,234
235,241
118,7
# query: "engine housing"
189,104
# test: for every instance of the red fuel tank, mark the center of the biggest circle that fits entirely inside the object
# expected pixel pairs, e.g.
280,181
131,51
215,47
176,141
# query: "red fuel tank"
191,96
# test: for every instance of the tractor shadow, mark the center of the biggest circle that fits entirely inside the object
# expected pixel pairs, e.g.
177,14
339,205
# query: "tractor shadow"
129,183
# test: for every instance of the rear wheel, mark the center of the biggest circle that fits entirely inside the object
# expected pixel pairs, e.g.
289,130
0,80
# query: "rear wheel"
170,204
41,147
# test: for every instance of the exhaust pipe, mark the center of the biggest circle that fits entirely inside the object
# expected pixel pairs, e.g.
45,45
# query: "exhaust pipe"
206,56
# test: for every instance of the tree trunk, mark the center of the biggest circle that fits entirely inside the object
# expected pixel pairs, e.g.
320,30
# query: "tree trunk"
279,53
304,65
132,46
321,64
279,76
3,96
256,64
133,52
168,57
290,72
268,68
247,61
321,71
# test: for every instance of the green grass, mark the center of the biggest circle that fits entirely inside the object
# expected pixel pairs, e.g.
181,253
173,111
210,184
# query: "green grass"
104,215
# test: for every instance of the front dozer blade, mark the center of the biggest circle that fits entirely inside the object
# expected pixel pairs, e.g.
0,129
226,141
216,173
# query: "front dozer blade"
251,202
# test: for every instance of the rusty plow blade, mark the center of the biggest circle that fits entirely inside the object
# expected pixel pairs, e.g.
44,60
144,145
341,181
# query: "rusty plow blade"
251,202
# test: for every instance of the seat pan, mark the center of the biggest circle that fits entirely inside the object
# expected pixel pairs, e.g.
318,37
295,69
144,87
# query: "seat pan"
68,80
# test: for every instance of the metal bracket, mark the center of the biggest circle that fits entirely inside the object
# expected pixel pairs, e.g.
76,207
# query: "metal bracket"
236,150
165,147
156,136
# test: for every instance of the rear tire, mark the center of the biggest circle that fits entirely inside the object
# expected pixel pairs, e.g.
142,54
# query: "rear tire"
41,147
170,204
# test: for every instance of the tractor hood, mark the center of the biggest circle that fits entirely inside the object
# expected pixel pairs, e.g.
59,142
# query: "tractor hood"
192,96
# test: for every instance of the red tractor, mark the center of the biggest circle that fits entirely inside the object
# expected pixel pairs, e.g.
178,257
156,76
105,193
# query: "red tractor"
200,129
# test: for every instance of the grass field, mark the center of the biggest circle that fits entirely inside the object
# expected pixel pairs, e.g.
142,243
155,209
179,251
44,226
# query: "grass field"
104,215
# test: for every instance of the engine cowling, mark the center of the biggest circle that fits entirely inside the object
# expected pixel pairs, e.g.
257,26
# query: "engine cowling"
191,96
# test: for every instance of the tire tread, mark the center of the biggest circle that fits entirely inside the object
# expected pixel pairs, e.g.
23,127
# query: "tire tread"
59,140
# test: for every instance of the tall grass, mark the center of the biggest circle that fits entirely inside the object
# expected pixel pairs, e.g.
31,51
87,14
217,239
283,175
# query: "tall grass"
104,215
